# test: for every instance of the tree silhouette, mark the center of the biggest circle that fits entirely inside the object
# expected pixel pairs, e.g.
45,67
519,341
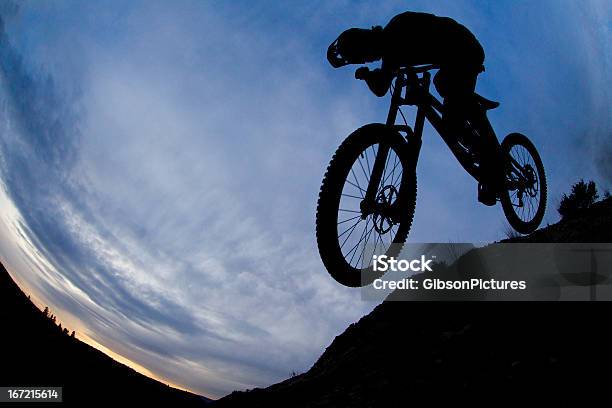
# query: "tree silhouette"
72,334
583,196
46,312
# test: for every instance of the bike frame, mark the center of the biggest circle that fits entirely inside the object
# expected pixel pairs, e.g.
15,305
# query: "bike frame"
428,107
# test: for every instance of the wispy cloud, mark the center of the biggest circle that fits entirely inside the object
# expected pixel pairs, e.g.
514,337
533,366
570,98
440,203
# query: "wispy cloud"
161,164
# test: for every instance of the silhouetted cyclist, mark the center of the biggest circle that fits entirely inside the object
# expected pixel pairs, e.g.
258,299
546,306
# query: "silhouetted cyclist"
419,38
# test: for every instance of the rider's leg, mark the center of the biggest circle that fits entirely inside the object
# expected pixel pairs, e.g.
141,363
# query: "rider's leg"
488,152
456,84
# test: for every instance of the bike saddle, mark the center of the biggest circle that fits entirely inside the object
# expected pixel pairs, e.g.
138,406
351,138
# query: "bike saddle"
486,104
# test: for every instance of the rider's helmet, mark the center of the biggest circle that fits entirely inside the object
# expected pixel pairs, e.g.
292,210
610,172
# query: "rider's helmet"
356,46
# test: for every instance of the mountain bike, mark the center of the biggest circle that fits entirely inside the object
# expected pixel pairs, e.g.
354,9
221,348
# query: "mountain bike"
368,194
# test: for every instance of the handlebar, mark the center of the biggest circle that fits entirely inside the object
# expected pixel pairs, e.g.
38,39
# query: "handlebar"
362,72
379,81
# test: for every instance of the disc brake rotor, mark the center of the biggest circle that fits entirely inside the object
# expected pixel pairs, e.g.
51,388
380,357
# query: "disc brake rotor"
382,217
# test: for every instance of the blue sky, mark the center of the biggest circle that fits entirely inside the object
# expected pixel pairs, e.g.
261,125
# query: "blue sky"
160,164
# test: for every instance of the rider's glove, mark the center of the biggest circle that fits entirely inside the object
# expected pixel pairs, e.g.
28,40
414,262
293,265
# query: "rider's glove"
379,81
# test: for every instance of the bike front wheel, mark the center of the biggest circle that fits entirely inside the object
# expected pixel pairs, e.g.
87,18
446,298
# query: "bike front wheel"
348,236
523,196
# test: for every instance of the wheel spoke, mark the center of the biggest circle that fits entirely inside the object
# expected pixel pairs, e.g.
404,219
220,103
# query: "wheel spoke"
399,178
360,259
348,236
349,219
392,171
356,181
356,245
350,228
351,211
375,245
352,196
363,170
361,190
367,161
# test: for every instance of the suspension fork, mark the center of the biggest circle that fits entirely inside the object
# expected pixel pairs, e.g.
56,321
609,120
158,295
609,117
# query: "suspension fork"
368,203
414,142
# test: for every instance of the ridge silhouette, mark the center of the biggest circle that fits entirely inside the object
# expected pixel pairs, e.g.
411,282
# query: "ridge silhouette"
37,352
401,351
408,352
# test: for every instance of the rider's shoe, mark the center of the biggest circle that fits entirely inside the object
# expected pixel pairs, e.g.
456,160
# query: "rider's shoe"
486,195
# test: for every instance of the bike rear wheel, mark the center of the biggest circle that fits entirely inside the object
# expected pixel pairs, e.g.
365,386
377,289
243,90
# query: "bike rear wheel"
523,196
347,237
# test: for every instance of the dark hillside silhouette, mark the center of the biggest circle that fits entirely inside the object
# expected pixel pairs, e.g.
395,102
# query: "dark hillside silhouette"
406,352
37,352
402,351
592,224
